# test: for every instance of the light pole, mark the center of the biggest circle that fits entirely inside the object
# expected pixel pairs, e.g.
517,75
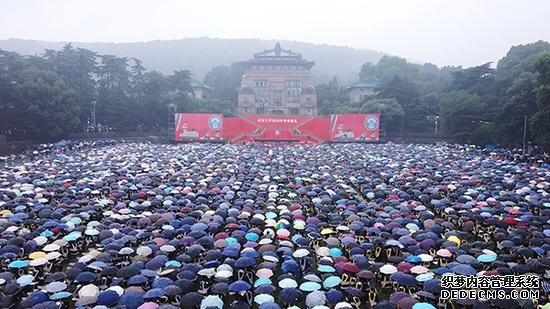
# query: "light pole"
93,113
435,119
172,107
524,135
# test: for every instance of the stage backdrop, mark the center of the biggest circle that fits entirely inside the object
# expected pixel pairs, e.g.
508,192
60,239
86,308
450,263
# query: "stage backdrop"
198,126
343,127
354,127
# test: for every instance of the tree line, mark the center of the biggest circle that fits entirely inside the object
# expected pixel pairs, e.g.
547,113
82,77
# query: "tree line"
54,94
481,104
51,95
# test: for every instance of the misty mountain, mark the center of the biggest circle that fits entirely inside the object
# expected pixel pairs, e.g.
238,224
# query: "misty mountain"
202,54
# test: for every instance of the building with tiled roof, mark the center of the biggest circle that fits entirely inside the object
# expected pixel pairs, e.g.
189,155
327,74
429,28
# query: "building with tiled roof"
277,82
362,90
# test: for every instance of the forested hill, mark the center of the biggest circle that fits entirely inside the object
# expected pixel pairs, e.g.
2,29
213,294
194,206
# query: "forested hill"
199,55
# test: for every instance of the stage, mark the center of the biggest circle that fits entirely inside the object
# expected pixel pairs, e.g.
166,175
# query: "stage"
271,128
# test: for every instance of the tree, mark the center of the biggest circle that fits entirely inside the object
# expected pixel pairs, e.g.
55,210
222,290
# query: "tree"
389,67
40,105
225,81
541,120
390,109
114,106
212,105
479,79
330,97
368,71
78,68
181,82
461,113
520,59
406,92
518,101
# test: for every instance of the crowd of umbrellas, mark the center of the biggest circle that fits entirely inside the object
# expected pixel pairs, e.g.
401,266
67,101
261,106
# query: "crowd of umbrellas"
135,225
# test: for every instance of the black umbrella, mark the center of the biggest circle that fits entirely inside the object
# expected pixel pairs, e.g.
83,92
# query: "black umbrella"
191,299
290,295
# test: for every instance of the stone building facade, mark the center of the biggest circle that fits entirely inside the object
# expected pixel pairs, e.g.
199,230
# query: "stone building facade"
361,91
277,82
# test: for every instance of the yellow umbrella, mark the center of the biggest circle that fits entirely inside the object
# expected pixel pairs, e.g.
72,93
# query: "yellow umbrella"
454,239
326,231
37,255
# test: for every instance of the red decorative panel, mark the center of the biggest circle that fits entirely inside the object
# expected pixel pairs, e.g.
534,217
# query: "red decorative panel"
344,127
199,126
354,127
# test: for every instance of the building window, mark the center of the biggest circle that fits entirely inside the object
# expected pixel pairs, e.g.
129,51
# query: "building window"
259,110
261,90
278,97
294,111
293,91
308,110
262,83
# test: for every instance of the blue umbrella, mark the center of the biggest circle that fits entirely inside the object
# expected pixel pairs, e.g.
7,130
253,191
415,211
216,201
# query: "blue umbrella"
137,280
290,266
244,262
250,254
18,264
154,293
131,300
192,299
25,280
334,296
231,251
265,289
486,258
157,262
310,286
404,279
465,270
262,281
331,281
85,277
413,259
326,269
290,295
46,305
432,286
107,298
61,295
162,283
239,286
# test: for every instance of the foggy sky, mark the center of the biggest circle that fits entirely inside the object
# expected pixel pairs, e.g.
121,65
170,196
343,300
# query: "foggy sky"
443,32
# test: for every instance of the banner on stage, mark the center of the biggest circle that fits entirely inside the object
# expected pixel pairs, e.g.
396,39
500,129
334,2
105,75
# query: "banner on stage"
199,127
349,127
339,127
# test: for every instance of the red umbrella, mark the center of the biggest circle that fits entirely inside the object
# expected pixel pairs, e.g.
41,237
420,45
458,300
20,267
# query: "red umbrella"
221,235
340,259
365,274
232,226
510,221
350,268
404,267
406,302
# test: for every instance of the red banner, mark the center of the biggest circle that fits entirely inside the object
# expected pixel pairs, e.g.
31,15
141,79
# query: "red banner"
349,127
277,122
344,127
199,127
